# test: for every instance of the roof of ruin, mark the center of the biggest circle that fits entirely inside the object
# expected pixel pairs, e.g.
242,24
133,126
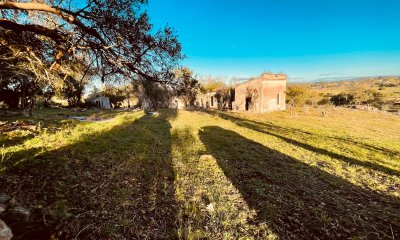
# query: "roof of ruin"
267,77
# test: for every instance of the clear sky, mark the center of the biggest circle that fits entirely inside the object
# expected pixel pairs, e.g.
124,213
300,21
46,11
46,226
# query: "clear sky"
306,39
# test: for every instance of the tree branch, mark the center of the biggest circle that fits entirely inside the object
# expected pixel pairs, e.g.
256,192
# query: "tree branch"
69,17
64,14
16,27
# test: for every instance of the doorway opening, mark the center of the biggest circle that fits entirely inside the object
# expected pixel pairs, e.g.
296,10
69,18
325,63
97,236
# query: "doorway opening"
248,103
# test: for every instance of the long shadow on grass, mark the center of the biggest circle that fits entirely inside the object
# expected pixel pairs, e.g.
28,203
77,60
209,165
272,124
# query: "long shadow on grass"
284,134
116,184
298,201
7,142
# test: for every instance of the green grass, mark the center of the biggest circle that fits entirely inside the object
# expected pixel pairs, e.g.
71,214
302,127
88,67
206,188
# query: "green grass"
208,175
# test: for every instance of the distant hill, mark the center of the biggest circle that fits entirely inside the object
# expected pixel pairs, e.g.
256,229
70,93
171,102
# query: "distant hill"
388,86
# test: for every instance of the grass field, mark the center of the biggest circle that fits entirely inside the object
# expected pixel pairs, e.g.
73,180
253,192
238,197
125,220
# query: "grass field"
208,175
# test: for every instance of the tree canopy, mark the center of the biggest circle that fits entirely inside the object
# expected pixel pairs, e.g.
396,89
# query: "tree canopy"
115,37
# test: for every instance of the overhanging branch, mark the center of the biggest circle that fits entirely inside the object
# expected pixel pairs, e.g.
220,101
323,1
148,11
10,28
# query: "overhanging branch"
61,13
97,43
16,27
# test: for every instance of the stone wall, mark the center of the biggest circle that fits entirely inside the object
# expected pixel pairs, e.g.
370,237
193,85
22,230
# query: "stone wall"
243,91
263,94
206,100
274,97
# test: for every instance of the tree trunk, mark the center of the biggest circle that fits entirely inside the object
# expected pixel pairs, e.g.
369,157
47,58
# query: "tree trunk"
32,105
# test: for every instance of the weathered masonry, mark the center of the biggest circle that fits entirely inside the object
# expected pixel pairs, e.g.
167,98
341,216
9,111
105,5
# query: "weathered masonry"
263,94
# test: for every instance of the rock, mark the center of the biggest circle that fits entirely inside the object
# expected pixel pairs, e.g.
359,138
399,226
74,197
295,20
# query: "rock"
4,199
28,127
18,214
3,208
5,231
210,208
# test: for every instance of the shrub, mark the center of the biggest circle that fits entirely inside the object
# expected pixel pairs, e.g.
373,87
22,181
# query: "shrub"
342,99
324,101
296,95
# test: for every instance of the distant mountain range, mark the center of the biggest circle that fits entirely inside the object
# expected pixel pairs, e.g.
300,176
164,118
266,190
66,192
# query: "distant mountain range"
339,79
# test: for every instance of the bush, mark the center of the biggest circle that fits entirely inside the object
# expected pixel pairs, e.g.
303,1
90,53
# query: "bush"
296,95
342,99
324,101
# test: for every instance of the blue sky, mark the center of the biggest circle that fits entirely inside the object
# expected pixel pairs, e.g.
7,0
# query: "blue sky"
306,39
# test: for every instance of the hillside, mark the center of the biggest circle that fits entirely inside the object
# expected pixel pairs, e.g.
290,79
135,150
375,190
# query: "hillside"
388,89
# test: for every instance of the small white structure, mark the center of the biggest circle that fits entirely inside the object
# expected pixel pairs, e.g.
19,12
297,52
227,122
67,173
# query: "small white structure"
176,103
100,101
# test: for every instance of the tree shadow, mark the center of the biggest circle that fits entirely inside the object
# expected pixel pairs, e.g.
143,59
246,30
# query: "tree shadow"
299,201
285,134
6,141
116,184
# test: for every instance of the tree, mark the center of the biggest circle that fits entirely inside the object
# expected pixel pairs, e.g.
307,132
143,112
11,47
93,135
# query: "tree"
188,87
224,96
115,34
212,84
72,91
115,94
24,60
296,95
47,93
22,73
373,97
342,99
76,75
153,95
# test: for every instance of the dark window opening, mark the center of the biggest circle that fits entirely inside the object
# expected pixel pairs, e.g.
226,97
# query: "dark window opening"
212,101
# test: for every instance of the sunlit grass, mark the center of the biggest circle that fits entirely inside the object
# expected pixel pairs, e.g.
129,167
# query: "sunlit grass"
57,132
355,147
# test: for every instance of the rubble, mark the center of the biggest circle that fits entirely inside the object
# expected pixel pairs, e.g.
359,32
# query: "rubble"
5,231
18,214
18,125
4,199
12,213
3,208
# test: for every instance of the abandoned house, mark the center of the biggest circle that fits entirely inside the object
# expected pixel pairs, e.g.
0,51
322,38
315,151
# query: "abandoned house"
207,100
263,94
100,102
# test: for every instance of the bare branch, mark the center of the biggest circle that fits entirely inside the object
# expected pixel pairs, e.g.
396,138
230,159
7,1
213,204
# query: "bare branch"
16,27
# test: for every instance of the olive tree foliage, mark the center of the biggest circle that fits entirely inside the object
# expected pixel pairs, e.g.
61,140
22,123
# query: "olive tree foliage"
154,95
211,84
23,71
74,82
113,38
188,86
118,94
